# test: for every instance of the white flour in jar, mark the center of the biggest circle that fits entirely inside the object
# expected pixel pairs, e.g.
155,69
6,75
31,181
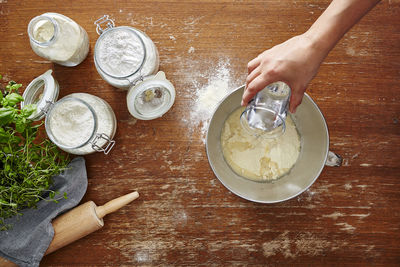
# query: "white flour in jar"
43,31
64,42
120,53
72,125
106,120
152,61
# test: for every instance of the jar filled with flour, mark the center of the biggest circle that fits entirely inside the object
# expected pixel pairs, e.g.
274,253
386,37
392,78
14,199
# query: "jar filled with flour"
123,55
78,123
59,39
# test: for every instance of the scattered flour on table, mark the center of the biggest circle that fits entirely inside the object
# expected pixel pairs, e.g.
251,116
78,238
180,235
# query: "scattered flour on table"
346,227
334,215
208,96
292,245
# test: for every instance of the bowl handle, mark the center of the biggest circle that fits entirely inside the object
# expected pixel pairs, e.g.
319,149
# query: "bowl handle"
333,160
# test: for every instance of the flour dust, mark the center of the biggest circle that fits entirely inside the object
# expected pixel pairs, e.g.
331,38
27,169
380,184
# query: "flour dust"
208,96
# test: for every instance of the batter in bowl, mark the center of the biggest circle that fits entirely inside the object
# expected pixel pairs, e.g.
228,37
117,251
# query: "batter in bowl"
259,159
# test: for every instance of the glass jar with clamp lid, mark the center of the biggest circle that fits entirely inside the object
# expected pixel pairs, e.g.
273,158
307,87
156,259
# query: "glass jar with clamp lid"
123,55
79,123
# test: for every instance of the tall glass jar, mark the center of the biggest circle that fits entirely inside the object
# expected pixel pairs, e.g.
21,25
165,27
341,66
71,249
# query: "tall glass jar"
59,39
124,55
78,123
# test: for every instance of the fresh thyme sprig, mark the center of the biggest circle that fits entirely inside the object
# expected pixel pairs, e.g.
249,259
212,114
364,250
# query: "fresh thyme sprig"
27,162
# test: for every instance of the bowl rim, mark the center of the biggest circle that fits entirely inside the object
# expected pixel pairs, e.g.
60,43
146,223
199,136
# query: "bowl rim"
267,201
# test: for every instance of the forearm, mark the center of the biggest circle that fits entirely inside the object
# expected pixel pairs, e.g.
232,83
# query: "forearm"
296,61
335,21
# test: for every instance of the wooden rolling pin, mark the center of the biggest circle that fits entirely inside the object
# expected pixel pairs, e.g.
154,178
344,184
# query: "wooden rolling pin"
80,221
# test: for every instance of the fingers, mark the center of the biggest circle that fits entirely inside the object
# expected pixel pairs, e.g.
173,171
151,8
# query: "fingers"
254,86
295,99
256,72
253,64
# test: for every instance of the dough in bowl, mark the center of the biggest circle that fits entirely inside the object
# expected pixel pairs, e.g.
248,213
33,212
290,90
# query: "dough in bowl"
257,158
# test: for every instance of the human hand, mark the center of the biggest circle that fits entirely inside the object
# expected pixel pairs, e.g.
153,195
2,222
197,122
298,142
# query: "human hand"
294,62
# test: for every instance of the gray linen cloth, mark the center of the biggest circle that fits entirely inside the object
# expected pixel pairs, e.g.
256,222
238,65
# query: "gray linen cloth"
31,233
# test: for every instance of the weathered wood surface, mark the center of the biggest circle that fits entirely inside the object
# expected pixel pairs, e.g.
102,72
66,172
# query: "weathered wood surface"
184,216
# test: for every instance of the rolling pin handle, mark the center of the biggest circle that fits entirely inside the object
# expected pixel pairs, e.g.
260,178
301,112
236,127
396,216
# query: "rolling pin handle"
116,204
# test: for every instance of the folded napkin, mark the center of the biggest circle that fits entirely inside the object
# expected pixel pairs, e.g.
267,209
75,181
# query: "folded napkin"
31,233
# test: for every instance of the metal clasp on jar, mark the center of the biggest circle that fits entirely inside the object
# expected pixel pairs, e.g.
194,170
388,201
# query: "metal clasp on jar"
47,107
105,19
108,145
140,78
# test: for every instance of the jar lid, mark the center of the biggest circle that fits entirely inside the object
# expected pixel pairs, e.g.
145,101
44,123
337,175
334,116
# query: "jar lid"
151,98
120,52
42,92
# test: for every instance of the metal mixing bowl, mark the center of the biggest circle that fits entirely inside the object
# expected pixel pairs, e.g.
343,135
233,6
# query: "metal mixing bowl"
313,155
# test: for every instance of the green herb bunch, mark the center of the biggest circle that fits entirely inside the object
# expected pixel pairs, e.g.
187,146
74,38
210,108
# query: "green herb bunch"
27,162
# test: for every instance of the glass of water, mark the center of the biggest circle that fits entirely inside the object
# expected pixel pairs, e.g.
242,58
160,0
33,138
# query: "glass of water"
266,113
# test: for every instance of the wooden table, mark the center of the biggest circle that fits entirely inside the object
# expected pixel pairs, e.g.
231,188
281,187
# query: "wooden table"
185,216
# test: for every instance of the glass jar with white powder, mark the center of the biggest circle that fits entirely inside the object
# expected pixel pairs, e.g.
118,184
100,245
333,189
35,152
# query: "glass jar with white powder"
59,39
124,55
78,123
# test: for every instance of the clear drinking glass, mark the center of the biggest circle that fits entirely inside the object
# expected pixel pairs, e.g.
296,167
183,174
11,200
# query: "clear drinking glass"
266,113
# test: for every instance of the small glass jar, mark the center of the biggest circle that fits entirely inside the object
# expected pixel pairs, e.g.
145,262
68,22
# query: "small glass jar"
59,39
266,113
124,55
78,123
